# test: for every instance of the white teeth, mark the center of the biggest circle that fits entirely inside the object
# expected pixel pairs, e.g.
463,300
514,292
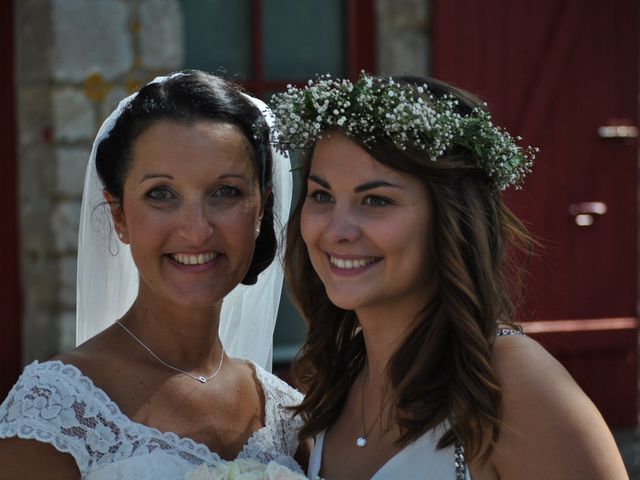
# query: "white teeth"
199,259
350,264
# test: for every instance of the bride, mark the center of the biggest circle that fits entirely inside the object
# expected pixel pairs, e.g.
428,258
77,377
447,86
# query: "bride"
186,170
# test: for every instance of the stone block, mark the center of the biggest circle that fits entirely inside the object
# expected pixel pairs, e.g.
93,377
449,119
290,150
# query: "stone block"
39,334
39,289
70,169
35,239
35,121
111,101
403,36
66,321
91,36
64,223
74,116
406,54
33,39
39,284
161,34
36,175
67,291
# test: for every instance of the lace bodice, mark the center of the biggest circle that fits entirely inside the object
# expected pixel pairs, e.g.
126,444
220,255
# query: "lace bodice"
55,403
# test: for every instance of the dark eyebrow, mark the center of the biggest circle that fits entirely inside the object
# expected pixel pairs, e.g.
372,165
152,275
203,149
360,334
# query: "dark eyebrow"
319,181
375,184
150,176
360,188
233,175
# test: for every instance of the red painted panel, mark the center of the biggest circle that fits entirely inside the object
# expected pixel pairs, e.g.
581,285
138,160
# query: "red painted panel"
601,355
10,340
361,37
554,71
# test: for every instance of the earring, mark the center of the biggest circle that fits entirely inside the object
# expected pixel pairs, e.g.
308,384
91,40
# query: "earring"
257,231
121,235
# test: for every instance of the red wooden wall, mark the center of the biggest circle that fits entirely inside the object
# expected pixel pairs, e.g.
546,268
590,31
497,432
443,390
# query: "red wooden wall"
554,71
10,338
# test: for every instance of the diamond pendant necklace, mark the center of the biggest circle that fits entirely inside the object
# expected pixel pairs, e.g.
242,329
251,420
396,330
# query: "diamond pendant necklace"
201,378
361,441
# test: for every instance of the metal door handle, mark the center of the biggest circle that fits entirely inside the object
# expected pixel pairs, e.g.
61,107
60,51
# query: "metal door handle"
584,212
618,131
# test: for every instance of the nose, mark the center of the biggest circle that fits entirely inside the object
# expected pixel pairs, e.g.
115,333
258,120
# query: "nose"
195,225
343,225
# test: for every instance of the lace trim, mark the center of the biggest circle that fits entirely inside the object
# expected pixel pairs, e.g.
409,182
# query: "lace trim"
56,403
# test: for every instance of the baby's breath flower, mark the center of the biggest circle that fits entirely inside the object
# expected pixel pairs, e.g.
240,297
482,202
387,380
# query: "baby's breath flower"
410,116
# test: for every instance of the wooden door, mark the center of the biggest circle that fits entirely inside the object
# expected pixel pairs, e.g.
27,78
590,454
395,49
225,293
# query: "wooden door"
10,362
556,72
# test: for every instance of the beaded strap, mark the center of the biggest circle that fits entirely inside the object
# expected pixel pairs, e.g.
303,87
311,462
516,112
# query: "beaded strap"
505,332
460,462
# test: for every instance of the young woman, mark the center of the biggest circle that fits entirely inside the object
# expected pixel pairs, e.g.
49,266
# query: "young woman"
186,170
397,256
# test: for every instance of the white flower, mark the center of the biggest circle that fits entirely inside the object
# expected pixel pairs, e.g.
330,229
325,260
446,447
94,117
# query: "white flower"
242,469
391,109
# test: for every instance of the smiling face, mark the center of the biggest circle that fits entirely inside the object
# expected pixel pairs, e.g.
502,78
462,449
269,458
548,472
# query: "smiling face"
190,211
367,229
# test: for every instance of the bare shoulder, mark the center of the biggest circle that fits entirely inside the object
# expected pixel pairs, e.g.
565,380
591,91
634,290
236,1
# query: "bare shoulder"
28,459
551,429
93,356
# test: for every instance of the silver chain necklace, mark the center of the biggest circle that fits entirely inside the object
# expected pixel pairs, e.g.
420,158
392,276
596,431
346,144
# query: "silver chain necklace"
201,379
362,440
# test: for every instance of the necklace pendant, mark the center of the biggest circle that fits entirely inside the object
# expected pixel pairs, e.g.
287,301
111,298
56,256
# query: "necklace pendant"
361,441
202,379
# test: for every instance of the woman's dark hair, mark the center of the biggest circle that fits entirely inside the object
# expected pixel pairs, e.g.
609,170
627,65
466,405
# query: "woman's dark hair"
443,370
188,97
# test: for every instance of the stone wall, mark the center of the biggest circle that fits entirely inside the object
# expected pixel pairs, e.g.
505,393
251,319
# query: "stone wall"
75,60
403,36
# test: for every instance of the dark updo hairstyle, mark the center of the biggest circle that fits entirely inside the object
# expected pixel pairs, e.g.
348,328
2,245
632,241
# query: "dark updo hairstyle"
189,97
443,371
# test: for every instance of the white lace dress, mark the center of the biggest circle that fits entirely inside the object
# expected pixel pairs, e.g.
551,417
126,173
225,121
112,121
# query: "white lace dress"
55,403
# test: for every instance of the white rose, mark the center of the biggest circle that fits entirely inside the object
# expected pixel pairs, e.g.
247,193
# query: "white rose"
275,471
244,470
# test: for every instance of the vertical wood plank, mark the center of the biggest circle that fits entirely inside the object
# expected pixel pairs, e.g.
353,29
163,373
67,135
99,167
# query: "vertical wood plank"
10,294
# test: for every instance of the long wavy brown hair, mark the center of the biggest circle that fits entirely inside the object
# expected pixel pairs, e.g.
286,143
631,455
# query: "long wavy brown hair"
443,370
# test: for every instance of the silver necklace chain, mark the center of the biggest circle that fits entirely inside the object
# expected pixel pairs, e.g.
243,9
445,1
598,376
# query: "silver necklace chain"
201,378
362,440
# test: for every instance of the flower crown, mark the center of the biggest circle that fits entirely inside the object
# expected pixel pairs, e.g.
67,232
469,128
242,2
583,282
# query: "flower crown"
409,115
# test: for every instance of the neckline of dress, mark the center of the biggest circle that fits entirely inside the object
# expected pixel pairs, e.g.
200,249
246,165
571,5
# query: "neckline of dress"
195,448
386,465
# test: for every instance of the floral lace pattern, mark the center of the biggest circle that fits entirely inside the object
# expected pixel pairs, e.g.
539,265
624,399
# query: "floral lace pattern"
55,403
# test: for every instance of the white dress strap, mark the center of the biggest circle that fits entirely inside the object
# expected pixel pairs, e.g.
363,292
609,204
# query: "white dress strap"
419,459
